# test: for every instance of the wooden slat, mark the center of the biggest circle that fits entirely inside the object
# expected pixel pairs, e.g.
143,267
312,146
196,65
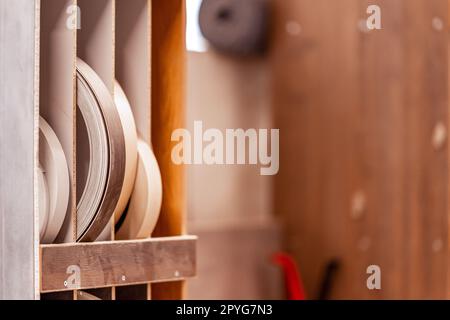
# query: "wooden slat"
119,263
168,99
18,119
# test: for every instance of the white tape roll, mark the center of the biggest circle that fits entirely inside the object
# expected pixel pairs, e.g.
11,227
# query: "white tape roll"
53,160
145,203
43,202
131,140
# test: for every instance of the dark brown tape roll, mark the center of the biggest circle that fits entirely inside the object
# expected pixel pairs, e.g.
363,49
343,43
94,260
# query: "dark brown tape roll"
116,146
235,26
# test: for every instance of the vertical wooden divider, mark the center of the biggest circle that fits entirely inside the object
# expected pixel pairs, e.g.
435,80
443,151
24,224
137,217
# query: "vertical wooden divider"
95,45
57,96
133,72
168,92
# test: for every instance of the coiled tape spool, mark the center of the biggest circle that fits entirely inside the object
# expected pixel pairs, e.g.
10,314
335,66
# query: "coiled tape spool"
143,211
106,165
54,183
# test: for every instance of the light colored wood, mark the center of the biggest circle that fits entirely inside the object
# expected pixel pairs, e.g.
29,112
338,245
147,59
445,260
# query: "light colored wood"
168,98
357,111
133,59
133,72
118,263
96,38
18,114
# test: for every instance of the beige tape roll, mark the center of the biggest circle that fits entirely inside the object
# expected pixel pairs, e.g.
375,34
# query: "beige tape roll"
53,160
131,141
43,202
92,156
131,156
96,208
145,203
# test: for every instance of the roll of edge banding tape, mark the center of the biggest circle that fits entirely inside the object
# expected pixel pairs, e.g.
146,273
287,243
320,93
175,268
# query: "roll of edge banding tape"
92,156
93,94
131,141
43,202
145,204
131,156
56,181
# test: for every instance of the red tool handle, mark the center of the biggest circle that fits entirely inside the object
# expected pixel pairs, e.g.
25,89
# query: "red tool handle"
293,281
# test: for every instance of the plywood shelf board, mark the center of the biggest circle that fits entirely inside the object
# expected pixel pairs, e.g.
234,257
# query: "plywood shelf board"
118,263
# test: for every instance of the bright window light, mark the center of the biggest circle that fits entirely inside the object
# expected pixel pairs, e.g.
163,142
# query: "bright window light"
194,38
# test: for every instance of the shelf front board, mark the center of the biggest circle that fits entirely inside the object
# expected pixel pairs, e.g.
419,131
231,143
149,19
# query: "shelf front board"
119,263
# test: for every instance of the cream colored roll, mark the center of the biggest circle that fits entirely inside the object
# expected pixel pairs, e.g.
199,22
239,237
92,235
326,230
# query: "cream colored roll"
54,165
96,208
145,203
43,202
131,140
131,156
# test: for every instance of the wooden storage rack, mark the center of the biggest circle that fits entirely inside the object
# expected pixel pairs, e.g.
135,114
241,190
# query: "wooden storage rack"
140,43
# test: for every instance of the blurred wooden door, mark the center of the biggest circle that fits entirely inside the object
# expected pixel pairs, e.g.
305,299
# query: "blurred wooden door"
364,151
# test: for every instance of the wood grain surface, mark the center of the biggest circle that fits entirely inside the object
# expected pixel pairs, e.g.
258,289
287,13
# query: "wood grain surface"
18,120
168,76
119,263
364,155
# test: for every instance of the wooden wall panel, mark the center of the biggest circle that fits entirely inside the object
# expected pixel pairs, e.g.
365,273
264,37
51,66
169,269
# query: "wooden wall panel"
364,162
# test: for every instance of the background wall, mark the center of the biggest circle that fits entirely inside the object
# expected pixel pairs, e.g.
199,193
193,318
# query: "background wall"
363,119
364,151
230,207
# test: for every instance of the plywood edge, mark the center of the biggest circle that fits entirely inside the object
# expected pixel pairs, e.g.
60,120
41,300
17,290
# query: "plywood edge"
37,31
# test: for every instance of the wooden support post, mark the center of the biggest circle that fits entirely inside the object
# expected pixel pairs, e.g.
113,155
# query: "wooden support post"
18,117
168,72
